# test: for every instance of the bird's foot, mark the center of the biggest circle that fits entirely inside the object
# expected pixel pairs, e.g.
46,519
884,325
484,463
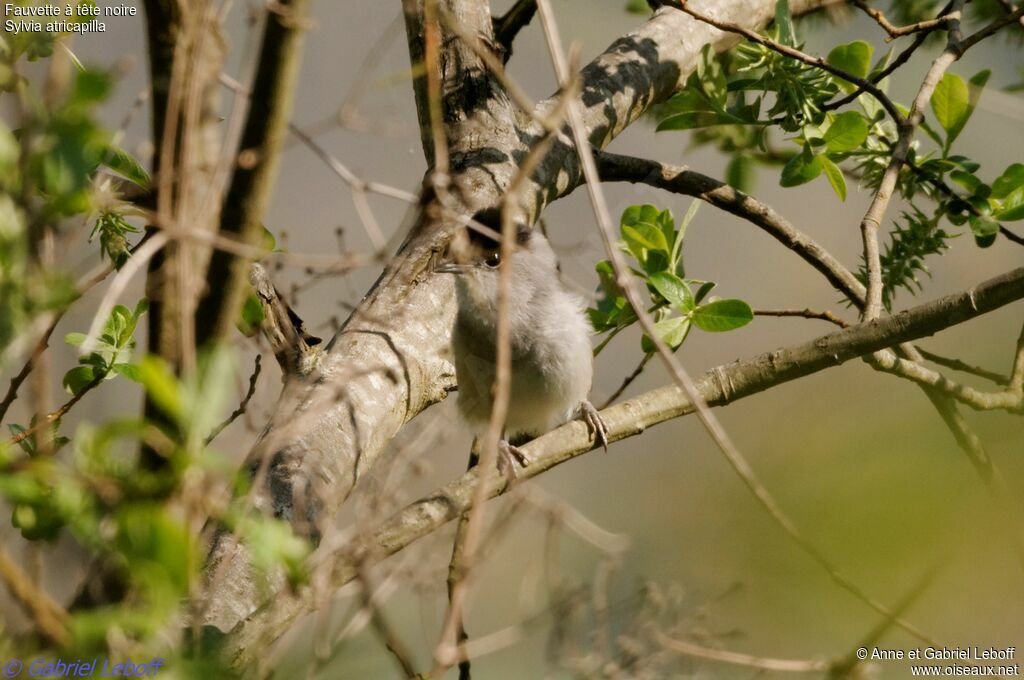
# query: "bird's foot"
594,422
508,456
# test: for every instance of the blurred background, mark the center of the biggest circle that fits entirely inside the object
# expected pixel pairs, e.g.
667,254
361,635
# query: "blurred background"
860,460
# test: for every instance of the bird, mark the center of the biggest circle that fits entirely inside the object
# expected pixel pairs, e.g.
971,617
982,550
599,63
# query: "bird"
552,360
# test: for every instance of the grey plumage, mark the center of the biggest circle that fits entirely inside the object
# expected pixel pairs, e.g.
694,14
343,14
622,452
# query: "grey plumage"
552,360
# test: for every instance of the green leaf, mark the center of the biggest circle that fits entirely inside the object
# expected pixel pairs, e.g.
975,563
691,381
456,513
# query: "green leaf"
688,120
78,378
739,174
712,79
835,177
130,371
854,58
252,315
975,86
162,386
703,291
784,23
800,169
950,103
673,289
1012,208
647,232
637,7
124,164
1011,180
722,315
75,339
967,181
672,332
984,229
90,87
847,133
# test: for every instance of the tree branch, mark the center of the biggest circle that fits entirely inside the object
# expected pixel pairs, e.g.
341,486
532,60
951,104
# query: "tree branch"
681,180
508,25
719,386
270,107
49,618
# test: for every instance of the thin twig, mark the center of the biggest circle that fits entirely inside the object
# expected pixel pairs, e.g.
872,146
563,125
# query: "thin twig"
58,414
1007,400
682,180
878,15
958,365
804,313
739,659
242,406
383,629
627,381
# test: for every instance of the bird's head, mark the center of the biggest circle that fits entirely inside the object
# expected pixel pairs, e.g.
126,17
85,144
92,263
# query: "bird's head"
474,256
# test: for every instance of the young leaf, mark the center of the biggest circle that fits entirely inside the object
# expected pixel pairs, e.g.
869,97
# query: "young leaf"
712,79
975,86
847,132
124,164
854,58
835,177
78,378
784,23
673,289
1013,207
984,229
1008,182
800,169
672,332
950,102
739,174
722,315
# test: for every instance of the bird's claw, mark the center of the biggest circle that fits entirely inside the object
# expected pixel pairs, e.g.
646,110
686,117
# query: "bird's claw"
508,456
595,423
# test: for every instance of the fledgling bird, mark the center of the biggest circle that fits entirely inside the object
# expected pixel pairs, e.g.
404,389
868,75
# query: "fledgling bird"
552,361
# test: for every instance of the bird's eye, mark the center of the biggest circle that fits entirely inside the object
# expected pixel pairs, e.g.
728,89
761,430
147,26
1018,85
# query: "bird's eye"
493,260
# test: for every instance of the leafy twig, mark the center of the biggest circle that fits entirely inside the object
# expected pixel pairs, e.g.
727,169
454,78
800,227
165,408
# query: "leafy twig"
794,53
59,413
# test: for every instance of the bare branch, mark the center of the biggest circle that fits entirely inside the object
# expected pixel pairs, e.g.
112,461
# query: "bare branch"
243,405
878,15
804,313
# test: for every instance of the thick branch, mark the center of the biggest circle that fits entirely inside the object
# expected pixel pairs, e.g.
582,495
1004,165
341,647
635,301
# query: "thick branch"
719,386
270,108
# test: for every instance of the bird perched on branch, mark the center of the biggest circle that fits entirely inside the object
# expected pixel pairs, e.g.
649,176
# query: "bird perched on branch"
552,361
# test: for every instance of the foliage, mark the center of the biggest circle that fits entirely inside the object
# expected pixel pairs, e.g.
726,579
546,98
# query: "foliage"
98,490
741,101
650,237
